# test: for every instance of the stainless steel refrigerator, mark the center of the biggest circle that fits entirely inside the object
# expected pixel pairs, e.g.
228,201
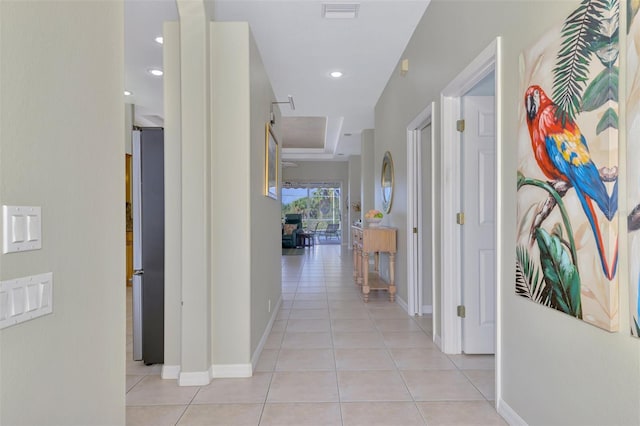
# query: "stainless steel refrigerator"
148,245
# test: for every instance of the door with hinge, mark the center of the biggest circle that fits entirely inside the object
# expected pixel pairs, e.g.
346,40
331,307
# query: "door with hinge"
478,254
426,221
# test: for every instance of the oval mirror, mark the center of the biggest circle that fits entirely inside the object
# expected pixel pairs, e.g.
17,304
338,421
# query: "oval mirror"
386,182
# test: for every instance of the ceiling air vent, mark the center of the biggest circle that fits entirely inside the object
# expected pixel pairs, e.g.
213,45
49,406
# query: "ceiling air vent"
340,10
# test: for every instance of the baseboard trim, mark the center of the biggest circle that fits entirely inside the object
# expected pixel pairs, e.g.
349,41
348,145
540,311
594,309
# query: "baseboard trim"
509,414
265,335
402,303
170,372
194,378
427,309
231,371
438,341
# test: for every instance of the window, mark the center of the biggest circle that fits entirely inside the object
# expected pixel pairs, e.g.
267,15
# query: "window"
319,204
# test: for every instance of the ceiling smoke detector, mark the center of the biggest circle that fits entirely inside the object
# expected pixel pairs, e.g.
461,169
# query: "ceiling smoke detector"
340,10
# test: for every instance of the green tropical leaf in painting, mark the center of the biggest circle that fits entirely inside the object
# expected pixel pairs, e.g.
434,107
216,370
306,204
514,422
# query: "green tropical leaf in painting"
602,89
609,119
529,284
635,322
579,31
560,274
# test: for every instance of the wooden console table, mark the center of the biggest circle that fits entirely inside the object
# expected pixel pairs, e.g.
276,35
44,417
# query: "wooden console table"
374,240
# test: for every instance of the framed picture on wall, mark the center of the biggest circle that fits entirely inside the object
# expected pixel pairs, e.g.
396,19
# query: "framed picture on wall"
567,241
271,164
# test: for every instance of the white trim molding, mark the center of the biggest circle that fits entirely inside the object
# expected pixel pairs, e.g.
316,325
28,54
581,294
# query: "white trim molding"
490,59
194,378
265,335
171,372
226,371
509,414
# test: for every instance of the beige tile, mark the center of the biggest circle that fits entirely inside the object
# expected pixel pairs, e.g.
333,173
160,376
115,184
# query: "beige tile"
137,368
405,324
267,360
309,314
346,304
357,340
456,413
152,390
312,289
309,304
421,359
307,414
131,381
279,326
308,325
222,415
307,386
159,415
380,414
372,386
407,339
241,390
381,312
307,341
274,341
310,296
474,362
363,359
484,381
305,360
352,325
346,313
283,314
437,385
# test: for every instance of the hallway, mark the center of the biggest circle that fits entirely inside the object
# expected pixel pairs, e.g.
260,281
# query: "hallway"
330,360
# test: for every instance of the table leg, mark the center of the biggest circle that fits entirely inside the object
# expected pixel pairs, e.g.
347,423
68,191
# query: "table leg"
365,272
392,282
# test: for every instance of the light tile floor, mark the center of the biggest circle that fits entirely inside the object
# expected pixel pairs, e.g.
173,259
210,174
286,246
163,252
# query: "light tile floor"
330,359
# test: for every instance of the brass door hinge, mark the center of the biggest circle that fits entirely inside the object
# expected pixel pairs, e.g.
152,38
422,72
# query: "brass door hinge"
460,218
415,230
461,311
460,125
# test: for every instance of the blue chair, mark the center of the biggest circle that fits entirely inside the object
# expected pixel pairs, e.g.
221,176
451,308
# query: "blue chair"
290,230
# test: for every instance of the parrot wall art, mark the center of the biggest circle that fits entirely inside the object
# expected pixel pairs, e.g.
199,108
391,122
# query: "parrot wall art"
567,181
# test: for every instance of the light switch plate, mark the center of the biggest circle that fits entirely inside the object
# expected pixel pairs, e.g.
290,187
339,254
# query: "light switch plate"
22,228
25,298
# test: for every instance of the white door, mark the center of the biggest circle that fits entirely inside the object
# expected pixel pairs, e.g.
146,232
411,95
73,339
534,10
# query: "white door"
478,232
426,218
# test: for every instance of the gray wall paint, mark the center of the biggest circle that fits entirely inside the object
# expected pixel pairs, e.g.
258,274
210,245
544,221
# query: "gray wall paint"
555,369
266,288
62,148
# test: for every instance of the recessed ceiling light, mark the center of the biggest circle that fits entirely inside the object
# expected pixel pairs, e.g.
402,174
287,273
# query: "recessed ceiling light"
336,74
159,40
156,72
127,93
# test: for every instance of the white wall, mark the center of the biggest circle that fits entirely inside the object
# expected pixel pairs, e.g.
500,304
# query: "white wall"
62,148
555,370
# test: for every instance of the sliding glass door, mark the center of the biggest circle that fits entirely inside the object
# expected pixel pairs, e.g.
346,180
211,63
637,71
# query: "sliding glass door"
319,204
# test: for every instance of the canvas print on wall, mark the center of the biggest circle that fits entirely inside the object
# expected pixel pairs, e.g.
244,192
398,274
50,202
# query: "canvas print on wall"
633,160
567,199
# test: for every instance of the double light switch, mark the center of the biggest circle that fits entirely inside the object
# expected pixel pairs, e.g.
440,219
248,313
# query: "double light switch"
22,228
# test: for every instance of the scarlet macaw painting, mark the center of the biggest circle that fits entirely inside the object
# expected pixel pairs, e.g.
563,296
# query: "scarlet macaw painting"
633,160
567,238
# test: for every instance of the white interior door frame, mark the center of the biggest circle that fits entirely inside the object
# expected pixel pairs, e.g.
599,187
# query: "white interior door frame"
414,208
489,60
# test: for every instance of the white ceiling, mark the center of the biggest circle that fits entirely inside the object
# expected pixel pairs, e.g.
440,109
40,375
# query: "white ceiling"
299,49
